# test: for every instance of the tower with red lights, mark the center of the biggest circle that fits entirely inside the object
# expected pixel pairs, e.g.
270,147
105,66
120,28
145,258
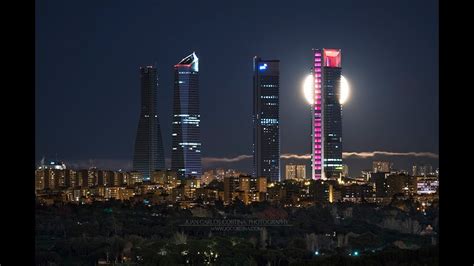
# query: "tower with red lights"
326,157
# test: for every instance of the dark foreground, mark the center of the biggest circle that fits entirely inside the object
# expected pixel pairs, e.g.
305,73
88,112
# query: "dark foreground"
114,233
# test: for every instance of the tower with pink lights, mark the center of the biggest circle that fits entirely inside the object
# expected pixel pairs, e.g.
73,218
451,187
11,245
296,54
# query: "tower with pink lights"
326,114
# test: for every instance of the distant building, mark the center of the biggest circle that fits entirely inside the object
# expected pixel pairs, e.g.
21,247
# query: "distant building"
190,186
301,171
208,176
381,166
220,173
380,181
401,184
135,177
70,178
290,171
87,177
231,172
356,192
293,171
58,165
166,178
321,191
427,185
422,170
230,185
40,179
345,170
262,184
366,174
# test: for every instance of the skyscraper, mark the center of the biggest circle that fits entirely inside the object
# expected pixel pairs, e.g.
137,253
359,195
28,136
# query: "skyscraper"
148,155
266,131
186,140
326,114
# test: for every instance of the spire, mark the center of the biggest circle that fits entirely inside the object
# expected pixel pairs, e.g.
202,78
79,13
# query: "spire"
191,60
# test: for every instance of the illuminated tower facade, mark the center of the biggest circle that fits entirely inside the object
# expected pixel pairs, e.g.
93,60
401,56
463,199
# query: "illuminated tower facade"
148,155
186,140
266,131
326,114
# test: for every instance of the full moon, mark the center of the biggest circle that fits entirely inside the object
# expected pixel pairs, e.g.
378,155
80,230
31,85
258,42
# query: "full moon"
308,90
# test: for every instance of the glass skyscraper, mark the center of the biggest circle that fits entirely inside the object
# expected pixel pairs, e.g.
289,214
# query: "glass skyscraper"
266,131
326,114
148,155
186,140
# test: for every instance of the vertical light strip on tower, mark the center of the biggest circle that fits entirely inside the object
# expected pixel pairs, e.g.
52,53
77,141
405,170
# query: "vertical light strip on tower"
317,121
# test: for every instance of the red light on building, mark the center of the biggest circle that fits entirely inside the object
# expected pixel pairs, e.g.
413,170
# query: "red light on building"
332,57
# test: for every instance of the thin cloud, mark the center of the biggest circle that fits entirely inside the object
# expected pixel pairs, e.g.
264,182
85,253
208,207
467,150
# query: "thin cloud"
344,155
106,164
388,153
126,165
295,156
366,154
207,160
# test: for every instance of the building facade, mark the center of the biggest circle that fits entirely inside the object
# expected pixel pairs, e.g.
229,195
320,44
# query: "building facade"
326,114
290,171
293,171
266,131
186,140
148,155
301,171
381,166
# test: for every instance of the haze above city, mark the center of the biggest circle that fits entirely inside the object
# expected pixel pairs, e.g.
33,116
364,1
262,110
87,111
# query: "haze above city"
88,56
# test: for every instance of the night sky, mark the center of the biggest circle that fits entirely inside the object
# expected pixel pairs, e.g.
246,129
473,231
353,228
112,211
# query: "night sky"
88,55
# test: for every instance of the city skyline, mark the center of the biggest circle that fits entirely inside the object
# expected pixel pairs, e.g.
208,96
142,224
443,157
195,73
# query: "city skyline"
373,124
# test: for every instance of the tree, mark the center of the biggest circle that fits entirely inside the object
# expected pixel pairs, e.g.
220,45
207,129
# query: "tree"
180,238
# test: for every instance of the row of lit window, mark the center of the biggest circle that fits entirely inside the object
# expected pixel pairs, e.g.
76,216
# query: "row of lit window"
333,165
190,143
267,121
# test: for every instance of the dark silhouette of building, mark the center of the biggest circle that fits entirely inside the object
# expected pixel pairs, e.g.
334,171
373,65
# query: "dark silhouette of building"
149,154
380,181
